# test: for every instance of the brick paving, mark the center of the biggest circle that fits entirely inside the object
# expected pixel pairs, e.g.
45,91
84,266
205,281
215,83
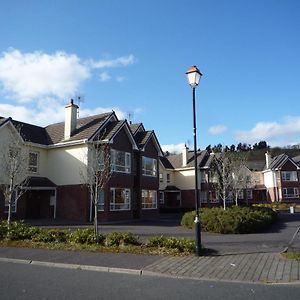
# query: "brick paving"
255,267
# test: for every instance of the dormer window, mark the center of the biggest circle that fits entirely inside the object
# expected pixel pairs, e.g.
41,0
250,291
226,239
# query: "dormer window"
33,162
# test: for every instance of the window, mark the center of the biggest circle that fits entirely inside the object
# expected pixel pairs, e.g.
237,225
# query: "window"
249,194
161,198
13,203
290,192
120,161
241,195
100,204
203,177
119,199
168,178
203,197
149,166
161,177
229,197
33,162
149,199
213,197
289,176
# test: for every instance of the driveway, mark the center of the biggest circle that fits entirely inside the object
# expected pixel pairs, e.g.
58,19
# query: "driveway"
273,240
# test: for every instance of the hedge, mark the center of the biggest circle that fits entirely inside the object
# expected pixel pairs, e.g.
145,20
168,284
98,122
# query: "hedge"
235,219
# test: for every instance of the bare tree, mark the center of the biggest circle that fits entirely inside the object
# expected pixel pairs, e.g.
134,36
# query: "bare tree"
240,174
221,172
97,175
14,164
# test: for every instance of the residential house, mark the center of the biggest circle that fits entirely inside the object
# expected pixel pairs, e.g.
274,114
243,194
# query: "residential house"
275,179
58,159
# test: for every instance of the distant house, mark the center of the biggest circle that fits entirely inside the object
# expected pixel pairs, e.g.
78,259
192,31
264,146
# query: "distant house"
59,154
275,179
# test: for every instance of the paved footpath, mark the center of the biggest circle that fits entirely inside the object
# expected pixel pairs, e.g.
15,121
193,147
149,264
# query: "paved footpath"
254,267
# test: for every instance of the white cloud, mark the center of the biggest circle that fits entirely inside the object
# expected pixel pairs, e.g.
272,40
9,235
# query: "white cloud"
122,61
120,78
216,130
28,76
104,76
173,148
274,132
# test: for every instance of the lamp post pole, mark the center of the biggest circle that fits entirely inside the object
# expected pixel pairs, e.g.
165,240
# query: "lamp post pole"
194,76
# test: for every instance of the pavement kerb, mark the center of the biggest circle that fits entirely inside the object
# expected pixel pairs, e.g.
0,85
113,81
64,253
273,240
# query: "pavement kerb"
140,272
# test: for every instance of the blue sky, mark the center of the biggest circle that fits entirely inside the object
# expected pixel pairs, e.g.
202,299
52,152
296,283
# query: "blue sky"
131,56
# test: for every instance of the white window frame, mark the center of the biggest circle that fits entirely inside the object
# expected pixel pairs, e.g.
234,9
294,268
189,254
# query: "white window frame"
147,172
161,177
126,193
294,195
241,195
126,168
146,193
161,198
33,168
249,194
13,205
289,176
101,199
168,177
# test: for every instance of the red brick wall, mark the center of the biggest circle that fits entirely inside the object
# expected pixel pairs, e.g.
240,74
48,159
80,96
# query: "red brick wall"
73,203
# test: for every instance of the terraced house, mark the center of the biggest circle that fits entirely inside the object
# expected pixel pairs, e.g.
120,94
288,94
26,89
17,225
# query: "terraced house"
274,179
57,158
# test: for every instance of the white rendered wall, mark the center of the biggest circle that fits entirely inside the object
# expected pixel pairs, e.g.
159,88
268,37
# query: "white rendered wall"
269,179
67,166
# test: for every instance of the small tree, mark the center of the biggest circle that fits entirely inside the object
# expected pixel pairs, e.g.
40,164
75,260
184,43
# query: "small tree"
14,169
98,174
221,171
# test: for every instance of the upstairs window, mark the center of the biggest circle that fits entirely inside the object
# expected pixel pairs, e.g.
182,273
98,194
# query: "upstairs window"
149,166
168,178
289,176
120,161
161,177
33,162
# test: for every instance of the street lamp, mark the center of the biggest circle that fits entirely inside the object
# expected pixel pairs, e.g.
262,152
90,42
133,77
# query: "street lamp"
194,76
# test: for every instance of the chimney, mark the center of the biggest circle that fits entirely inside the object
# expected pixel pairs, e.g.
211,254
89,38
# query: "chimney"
184,153
70,119
268,159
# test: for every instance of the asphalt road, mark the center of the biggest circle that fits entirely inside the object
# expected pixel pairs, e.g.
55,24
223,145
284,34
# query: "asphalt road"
20,281
273,240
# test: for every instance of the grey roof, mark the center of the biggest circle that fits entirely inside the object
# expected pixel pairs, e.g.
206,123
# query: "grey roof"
172,188
134,127
35,181
277,162
112,129
165,162
86,128
297,159
54,133
202,158
142,138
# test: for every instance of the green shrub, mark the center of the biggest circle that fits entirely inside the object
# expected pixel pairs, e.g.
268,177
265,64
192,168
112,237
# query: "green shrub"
3,229
52,235
116,239
235,219
180,245
85,236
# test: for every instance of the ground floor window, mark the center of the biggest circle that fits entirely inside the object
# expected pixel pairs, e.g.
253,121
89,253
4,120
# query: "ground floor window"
241,195
120,199
213,197
249,194
161,198
13,204
290,192
100,204
203,197
149,199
